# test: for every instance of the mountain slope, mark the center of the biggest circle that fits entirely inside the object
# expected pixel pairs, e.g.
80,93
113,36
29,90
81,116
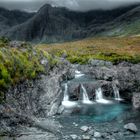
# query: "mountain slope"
127,24
53,24
9,18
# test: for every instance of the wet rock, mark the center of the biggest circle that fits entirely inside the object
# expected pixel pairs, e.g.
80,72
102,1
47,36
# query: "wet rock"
75,124
97,134
86,137
93,139
74,137
136,100
48,125
84,128
91,132
60,110
131,127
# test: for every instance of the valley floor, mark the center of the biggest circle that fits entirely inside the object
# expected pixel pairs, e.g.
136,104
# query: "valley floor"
113,49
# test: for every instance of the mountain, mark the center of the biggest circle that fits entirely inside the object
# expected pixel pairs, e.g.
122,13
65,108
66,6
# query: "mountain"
53,24
9,18
127,24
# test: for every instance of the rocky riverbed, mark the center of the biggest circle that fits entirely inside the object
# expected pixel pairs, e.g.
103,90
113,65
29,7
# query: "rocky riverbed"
33,109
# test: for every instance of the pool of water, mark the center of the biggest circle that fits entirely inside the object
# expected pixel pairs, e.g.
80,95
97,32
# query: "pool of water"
97,112
107,110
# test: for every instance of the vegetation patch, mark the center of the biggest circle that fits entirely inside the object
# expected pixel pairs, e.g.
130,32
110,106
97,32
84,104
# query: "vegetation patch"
20,63
114,49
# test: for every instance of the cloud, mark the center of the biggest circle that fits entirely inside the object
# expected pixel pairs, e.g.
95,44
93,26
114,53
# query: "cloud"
80,5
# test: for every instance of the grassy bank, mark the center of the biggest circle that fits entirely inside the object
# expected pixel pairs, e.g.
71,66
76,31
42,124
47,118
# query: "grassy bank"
19,64
114,49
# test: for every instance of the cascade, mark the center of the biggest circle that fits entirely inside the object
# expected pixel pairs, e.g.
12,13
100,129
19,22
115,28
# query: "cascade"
85,95
116,92
78,74
66,96
99,96
66,102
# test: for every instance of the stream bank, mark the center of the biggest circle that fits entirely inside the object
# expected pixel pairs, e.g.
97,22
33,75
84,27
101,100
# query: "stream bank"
33,109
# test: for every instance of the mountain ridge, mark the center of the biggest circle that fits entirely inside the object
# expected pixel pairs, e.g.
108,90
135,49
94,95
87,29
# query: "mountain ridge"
58,24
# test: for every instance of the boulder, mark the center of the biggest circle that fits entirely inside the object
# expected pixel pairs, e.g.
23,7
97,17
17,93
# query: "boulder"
86,137
74,137
131,127
99,63
84,128
91,132
136,100
97,134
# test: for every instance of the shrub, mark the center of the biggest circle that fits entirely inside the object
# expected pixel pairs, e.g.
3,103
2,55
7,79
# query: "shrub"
18,64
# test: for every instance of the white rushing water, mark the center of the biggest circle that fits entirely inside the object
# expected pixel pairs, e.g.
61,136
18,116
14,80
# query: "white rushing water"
66,102
78,74
85,96
66,96
99,97
116,92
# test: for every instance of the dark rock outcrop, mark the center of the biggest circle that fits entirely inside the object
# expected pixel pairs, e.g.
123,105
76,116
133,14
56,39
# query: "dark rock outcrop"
136,100
125,76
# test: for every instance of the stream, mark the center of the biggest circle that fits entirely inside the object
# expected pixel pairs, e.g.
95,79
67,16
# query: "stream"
100,111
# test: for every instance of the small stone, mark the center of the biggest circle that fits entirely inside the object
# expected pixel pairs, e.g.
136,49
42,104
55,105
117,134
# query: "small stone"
75,124
74,137
131,127
84,128
97,134
85,137
91,132
93,139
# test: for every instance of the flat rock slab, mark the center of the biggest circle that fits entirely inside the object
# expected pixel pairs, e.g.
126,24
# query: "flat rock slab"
38,137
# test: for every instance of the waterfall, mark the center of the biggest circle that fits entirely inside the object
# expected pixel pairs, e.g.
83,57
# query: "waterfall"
66,102
78,74
99,96
85,95
66,96
116,92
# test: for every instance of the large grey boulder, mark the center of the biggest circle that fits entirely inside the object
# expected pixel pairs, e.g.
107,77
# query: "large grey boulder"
131,127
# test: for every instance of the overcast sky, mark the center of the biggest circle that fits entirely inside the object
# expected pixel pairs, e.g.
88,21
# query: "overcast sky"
82,5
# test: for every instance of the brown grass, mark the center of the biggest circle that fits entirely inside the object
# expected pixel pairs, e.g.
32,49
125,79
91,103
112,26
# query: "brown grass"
100,48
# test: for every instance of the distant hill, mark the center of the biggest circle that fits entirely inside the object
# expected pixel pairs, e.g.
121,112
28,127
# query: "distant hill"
57,24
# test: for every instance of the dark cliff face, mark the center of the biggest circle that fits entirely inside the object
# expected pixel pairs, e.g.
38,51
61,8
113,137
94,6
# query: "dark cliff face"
53,24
